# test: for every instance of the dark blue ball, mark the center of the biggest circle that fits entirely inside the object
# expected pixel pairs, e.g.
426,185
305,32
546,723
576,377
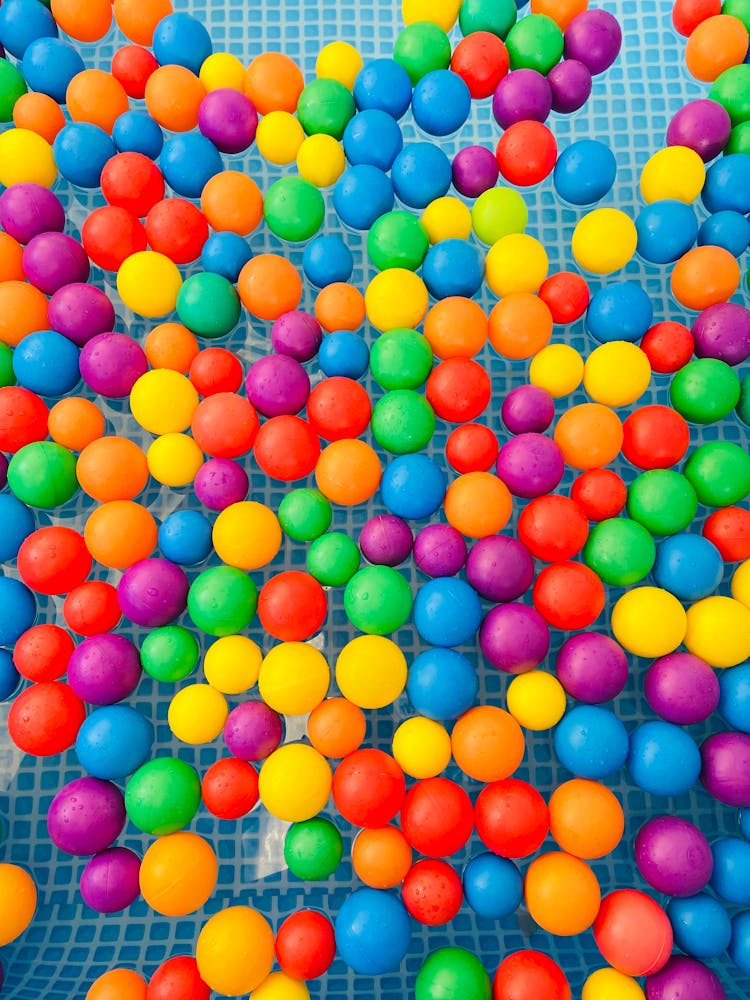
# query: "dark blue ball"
447,612
666,230
17,524
663,759
113,742
17,610
493,886
585,171
591,742
453,267
620,311
442,684
413,486
701,925
421,173
727,229
441,102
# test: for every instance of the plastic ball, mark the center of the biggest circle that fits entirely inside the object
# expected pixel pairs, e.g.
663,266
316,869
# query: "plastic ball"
492,886
378,600
326,106
279,137
441,102
470,448
682,688
487,743
721,332
348,472
724,756
511,818
235,950
526,153
432,892
727,529
688,566
655,747
92,608
401,359
81,151
700,924
86,816
49,64
162,796
52,260
705,391
516,263
437,817
604,240
591,742
522,95
113,742
222,600
621,552
109,882
562,893
718,472
673,856
571,83
53,486
481,60
104,669
633,933
688,14
339,61
568,595
499,568
294,782
591,667
372,932
169,653
707,623
442,684
421,747
305,944
663,500
178,874
498,212
230,788
118,983
611,984
586,818
176,978
514,638
197,714
681,974
421,48
599,493
536,700
137,132
45,719
585,172
97,97
520,325
313,849
336,727
527,974
420,173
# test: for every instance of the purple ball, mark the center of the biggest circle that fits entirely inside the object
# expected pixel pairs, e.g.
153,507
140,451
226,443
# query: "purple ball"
297,334
53,260
530,465
229,119
153,592
386,540
104,669
253,731
109,882
79,312
514,638
723,331
681,688
726,768
277,384
439,550
86,816
673,856
3,472
592,667
475,170
570,83
500,568
28,209
684,979
594,38
703,126
220,482
522,95
111,364
527,409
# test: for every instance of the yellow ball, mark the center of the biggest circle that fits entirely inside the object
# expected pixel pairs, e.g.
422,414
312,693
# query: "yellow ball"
174,459
371,671
294,678
718,630
741,583
447,219
609,984
279,137
604,240
649,621
675,172
536,700
558,368
421,747
26,157
321,160
295,782
247,535
222,70
516,263
148,284
396,298
163,402
440,12
339,61
235,950
279,986
232,664
617,373
197,714
16,886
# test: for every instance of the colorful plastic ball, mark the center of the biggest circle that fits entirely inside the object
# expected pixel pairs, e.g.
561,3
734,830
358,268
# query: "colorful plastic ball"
442,684
726,229
585,172
716,631
611,984
701,125
80,312
561,893
385,540
18,524
112,363
722,332
253,731
235,950
162,796
52,260
230,788
633,933
104,669
701,925
492,886
673,856
313,849
511,818
42,474
152,592
517,263
38,113
716,271
591,742
177,979
715,45
336,728
401,359
305,944
421,747
514,638
372,931
481,60
523,95
720,191
498,212
420,173
739,948
19,884
471,448
74,422
535,42
197,714
325,106
727,529
666,231
279,137
453,267
339,61
29,209
97,97
681,974
437,817
383,84
113,742
621,552
132,65
570,83
688,566
620,311
86,816
45,718
118,983
92,608
53,560
447,612
536,700
293,678
592,667
10,678
724,756
22,23
82,150
421,48
48,66
343,354
397,239
663,759
441,102
526,153
524,975
500,568
185,537
568,595
705,390
682,688
586,818
188,163
432,892
688,14
178,874
137,132
109,882
110,235
368,788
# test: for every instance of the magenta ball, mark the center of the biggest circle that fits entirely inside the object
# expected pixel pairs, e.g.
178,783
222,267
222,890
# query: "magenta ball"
514,638
229,119
79,312
522,95
297,334
527,409
703,126
439,550
53,260
111,364
253,731
673,856
386,540
530,465
594,38
28,209
104,669
220,482
153,592
682,688
723,331
3,472
591,667
725,773
684,979
475,170
277,384
500,568
109,882
570,83
86,816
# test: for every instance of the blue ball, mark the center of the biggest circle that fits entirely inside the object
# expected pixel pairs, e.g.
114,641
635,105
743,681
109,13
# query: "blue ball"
344,353
727,185
442,684
725,229
453,267
744,820
113,742
185,537
17,610
447,612
620,311
591,742
137,132
730,878
81,151
585,171
226,254
663,759
383,84
47,363
441,102
182,40
734,702
22,22
372,932
9,676
701,925
688,566
421,173
188,162
49,64
493,886
666,231
373,137
327,259
739,946
413,486
18,523
361,195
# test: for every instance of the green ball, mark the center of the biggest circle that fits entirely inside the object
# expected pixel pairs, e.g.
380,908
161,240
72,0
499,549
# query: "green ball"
222,600
422,47
495,16
397,239
663,501
43,474
333,559
208,305
535,42
294,208
325,106
162,796
620,551
12,86
402,422
720,473
743,406
169,653
7,375
452,974
304,514
732,89
313,849
498,212
739,9
705,390
739,139
378,600
401,359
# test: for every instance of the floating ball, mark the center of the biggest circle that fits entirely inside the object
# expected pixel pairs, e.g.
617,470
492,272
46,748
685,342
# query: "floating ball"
313,849
633,933
230,788
487,743
442,684
305,944
667,229
673,856
437,817
682,688
372,932
663,759
336,727
163,796
178,874
527,974
492,886
585,172
86,816
294,782
604,240
561,893
591,742
511,818
113,742
586,818
235,950
178,974
592,667
169,653
109,882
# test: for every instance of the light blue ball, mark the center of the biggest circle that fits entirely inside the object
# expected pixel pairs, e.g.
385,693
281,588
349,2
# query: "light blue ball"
447,612
373,931
188,162
442,684
739,946
688,566
453,267
441,102
345,353
81,151
383,84
137,132
48,66
361,195
591,742
17,610
182,40
620,311
185,537
731,874
726,229
9,676
727,185
22,22
666,231
47,363
421,173
701,925
373,137
493,886
327,259
585,171
113,742
226,254
17,524
413,486
734,701
663,759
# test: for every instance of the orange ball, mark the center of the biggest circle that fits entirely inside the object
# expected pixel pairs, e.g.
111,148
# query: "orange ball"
589,435
96,97
456,328
232,202
120,533
11,259
715,45
478,504
705,276
39,113
336,727
340,306
118,984
586,818
269,285
348,472
487,743
178,873
112,468
171,345
562,893
75,422
273,82
381,857
561,11
137,19
173,96
84,20
520,325
23,310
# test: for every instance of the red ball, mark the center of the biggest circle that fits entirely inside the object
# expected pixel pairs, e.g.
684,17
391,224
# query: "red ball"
668,346
292,606
23,418
553,528
600,494
133,182
45,718
368,788
215,369
305,944
54,560
42,652
633,933
177,979
566,295
339,408
110,235
458,389
471,448
688,14
655,437
729,530
225,425
481,60
230,788
437,817
132,65
287,448
530,975
432,892
526,153
92,608
568,595
176,228
512,818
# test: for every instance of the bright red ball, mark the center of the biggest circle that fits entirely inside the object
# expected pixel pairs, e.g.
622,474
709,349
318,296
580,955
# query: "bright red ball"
568,595
437,817
729,530
230,788
305,944
287,448
471,448
92,608
526,153
42,652
292,606
225,425
133,182
177,979
215,369
566,295
23,418
45,718
481,60
553,528
176,228
511,818
339,408
655,437
132,65
432,892
458,389
530,975
368,788
54,560
110,235
668,346
600,494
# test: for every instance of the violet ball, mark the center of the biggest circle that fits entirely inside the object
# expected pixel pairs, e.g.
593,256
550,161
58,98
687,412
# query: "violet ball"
53,260
475,171
684,979
514,638
673,856
111,364
570,83
104,669
28,209
703,126
253,731
3,471
277,384
500,568
439,550
591,667
682,688
86,816
723,331
593,37
522,95
109,882
527,409
725,773
79,312
297,334
220,482
386,540
530,465
153,592
229,119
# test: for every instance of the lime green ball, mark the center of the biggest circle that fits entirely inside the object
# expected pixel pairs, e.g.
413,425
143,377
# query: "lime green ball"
397,239
705,390
333,559
739,139
452,974
402,421
43,474
739,9
313,849
495,16
732,89
325,106
498,212
170,653
620,551
378,600
422,47
535,42
401,359
663,501
304,514
720,473
12,86
7,375
162,796
208,305
294,209
743,406
222,600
